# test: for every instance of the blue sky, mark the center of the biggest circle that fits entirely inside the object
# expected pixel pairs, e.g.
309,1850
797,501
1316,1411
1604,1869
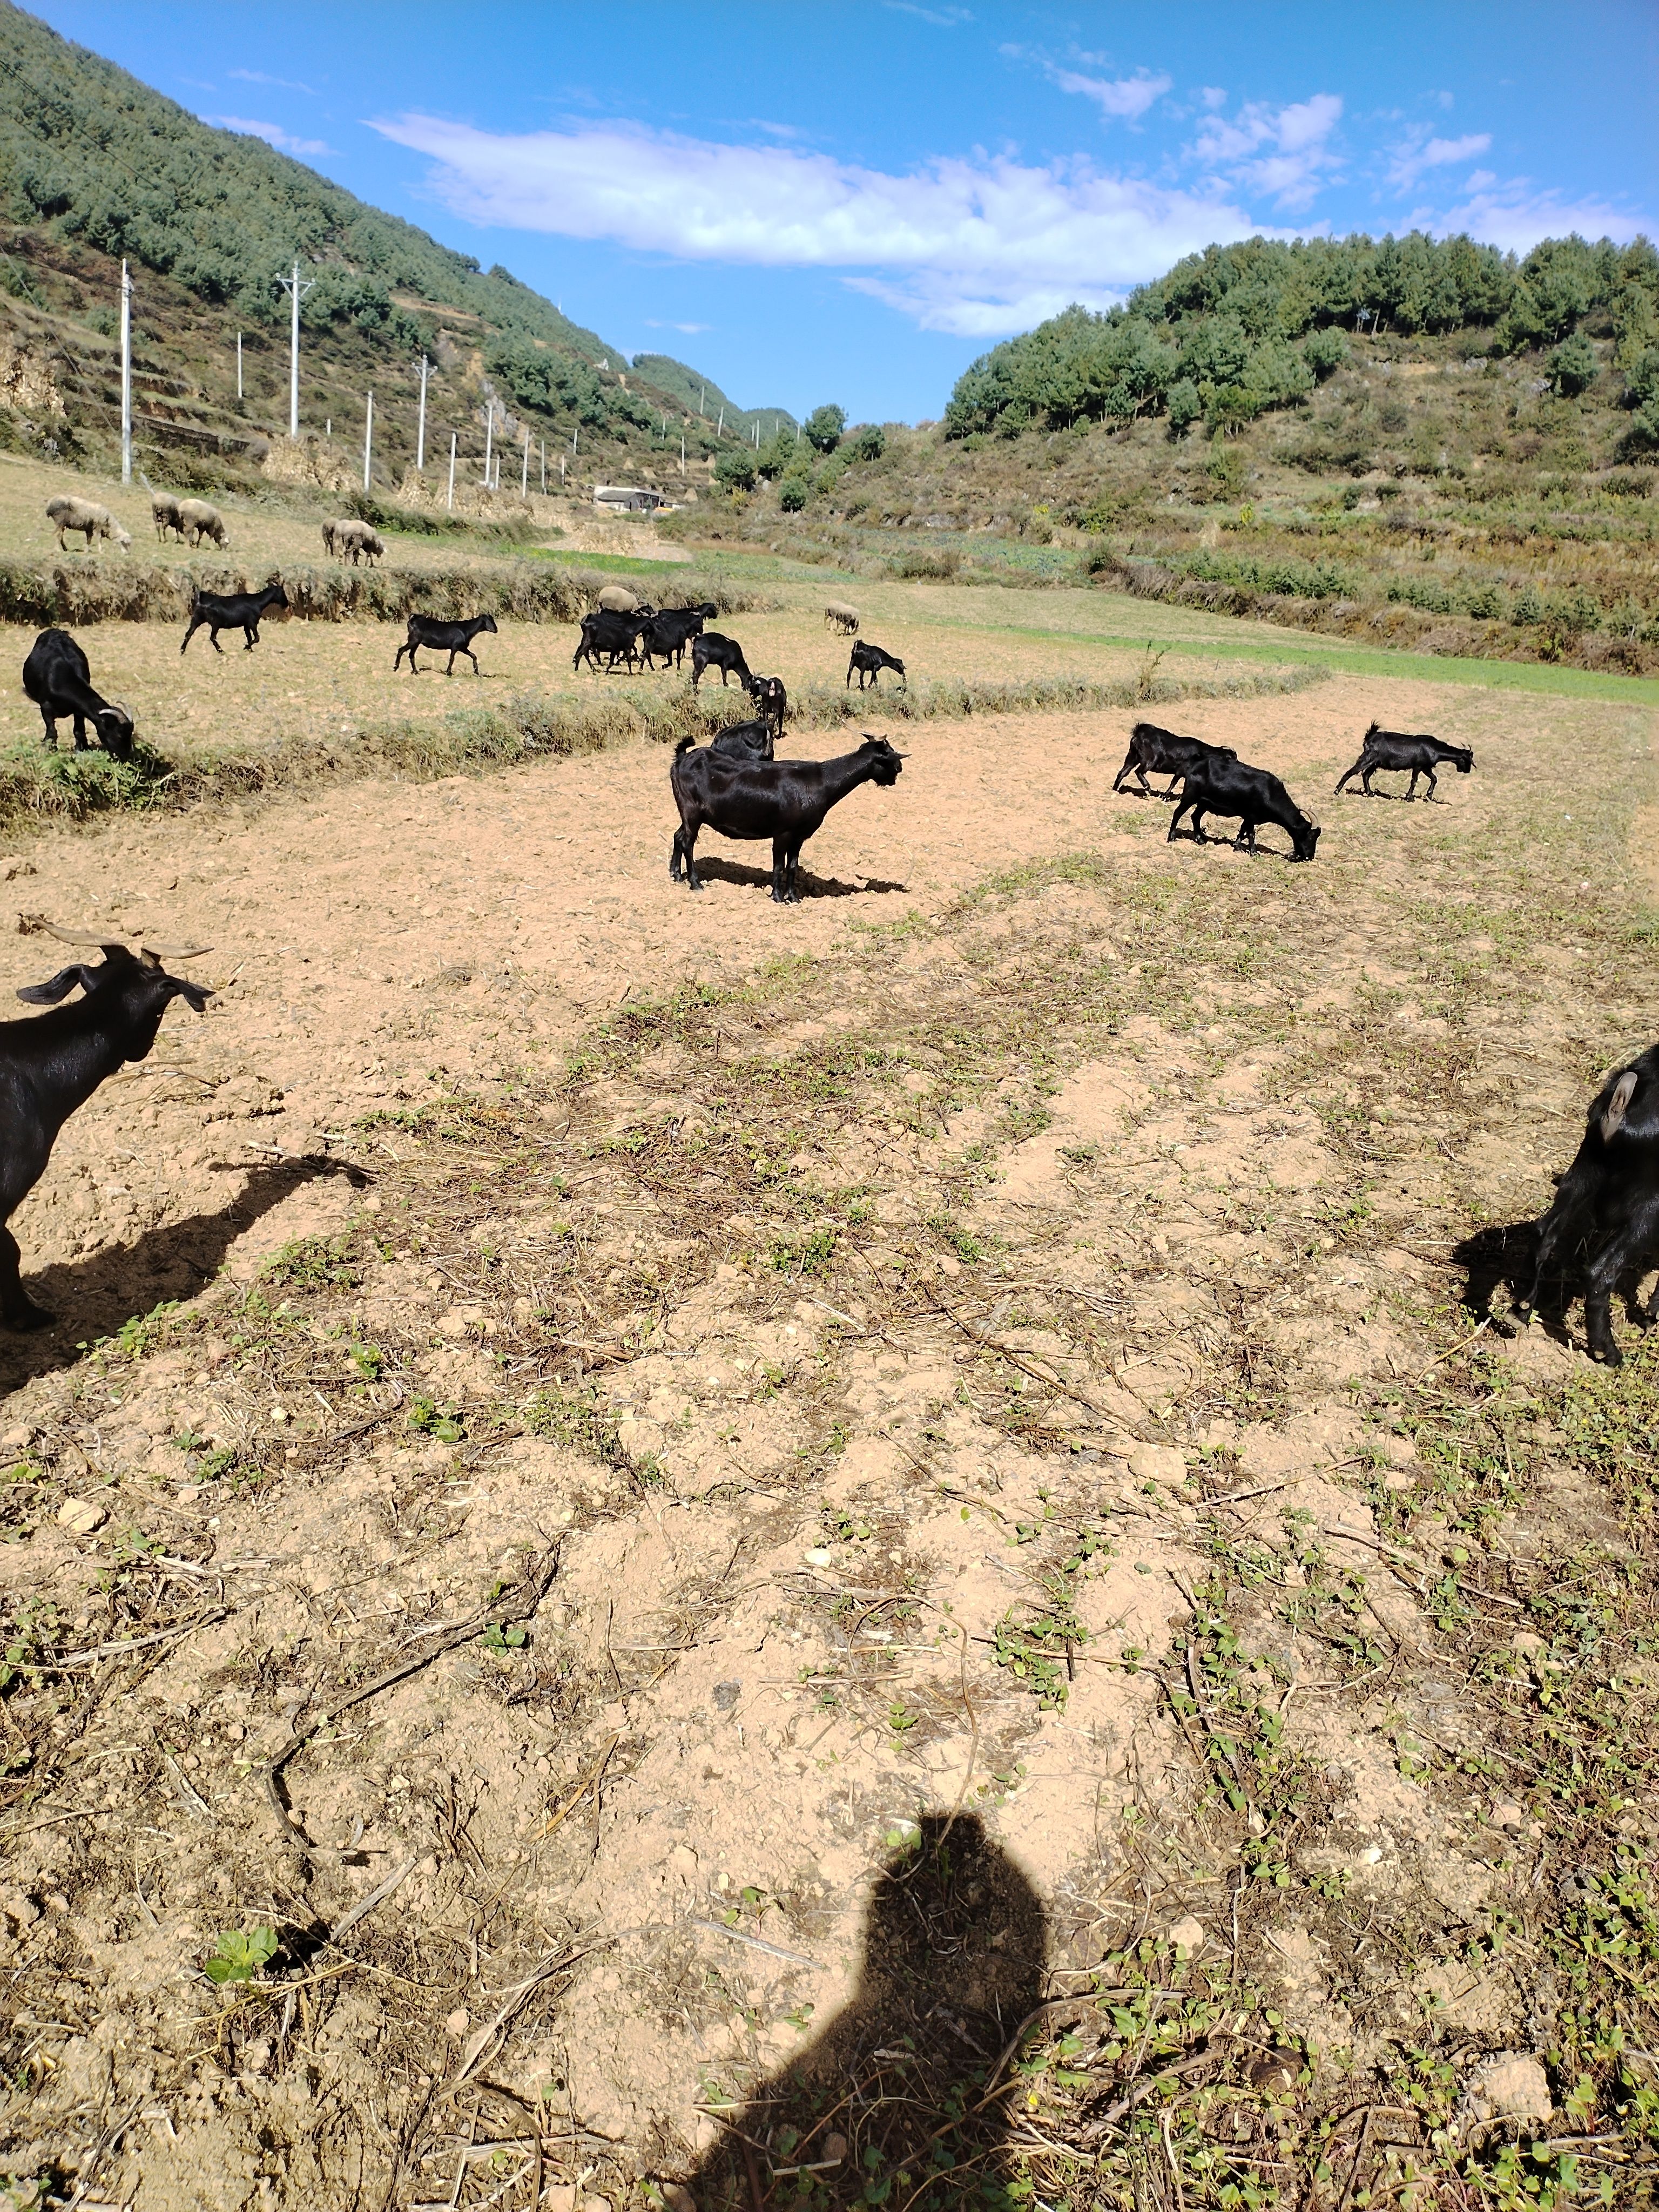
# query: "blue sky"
852,200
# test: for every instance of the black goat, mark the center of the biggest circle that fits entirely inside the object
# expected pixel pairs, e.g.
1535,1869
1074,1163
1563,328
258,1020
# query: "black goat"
56,678
748,740
243,610
710,650
451,637
666,636
615,636
52,1065
785,800
1223,785
1606,1211
770,696
869,660
1164,754
1388,749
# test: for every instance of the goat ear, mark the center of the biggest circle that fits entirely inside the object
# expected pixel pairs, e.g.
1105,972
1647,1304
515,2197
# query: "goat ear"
49,994
195,995
1613,1119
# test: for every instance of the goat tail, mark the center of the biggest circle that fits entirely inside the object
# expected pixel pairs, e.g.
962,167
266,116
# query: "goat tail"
683,746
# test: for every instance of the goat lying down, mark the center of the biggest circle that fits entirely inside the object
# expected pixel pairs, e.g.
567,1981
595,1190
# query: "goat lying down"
748,798
1604,1224
1393,750
52,1065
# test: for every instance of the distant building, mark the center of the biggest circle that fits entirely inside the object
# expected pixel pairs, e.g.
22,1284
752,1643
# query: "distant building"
629,499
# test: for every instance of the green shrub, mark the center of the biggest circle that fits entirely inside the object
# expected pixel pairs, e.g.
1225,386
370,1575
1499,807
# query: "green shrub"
823,426
1573,367
1324,351
736,471
792,494
867,443
1184,406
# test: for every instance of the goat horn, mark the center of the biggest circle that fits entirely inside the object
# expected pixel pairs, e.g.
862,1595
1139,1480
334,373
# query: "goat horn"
178,952
34,925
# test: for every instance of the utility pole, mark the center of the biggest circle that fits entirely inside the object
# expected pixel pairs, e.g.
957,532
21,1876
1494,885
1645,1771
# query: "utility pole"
719,427
369,438
126,376
296,291
544,468
239,364
420,435
489,438
451,471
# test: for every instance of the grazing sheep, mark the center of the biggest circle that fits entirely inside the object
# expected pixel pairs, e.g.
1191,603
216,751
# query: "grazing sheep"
1388,749
164,514
1605,1217
839,616
357,541
85,515
738,796
201,520
617,599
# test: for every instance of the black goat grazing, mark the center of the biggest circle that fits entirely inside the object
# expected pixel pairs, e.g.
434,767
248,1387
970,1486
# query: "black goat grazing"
1388,749
1223,785
748,740
869,660
56,678
1164,754
616,636
52,1065
451,637
243,610
783,800
711,650
770,696
666,636
1606,1212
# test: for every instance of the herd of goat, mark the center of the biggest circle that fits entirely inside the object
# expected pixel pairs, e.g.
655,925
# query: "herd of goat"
1601,1230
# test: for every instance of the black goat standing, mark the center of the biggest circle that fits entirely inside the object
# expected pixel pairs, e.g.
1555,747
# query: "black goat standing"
1165,754
243,610
1389,749
451,637
1222,784
869,660
712,650
56,678
773,701
1606,1211
616,636
748,799
51,1066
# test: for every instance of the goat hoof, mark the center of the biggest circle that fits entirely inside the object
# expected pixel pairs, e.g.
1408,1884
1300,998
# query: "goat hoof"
30,1316
1608,1354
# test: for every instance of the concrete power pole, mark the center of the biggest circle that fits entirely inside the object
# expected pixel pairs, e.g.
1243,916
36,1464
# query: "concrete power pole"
420,435
451,471
126,376
296,291
369,438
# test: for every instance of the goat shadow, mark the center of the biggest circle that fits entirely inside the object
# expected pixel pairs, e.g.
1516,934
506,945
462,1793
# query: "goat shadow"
1505,1258
714,869
909,2074
91,1297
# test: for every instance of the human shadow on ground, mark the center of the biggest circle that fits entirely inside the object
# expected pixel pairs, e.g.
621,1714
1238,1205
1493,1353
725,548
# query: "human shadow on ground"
713,868
92,1297
908,2084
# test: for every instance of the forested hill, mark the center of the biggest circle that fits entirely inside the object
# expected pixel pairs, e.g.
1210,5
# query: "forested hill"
1237,330
95,157
695,390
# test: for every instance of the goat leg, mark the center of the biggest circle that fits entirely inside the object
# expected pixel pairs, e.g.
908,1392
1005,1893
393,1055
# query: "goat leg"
1623,1249
17,1310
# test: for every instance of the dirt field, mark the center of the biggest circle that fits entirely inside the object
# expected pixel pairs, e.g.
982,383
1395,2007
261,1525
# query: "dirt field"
882,1552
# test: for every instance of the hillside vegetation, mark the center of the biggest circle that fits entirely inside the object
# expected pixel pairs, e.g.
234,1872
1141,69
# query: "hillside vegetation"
94,167
1430,443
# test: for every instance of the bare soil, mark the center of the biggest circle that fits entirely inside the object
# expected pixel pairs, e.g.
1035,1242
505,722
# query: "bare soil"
927,1454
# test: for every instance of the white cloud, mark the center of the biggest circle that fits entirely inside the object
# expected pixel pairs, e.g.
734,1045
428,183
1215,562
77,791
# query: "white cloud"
1419,153
944,19
1126,96
272,133
976,247
1281,150
1213,95
1515,215
690,328
259,76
